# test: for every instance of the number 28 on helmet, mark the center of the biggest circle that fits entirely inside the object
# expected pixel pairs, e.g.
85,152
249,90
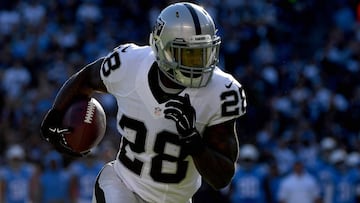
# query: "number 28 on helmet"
185,44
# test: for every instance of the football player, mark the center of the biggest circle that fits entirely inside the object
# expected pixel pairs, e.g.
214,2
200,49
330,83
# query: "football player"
177,111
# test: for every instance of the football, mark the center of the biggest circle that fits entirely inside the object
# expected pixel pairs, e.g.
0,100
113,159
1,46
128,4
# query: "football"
87,120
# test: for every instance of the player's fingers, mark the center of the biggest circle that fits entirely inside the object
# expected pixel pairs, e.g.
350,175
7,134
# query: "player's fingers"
186,121
173,110
179,108
171,116
181,125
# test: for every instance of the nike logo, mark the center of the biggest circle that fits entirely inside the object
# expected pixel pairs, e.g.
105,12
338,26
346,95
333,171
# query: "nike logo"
229,85
124,49
58,130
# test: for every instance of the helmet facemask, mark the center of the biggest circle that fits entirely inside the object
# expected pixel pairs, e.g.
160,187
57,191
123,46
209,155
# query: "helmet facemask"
191,64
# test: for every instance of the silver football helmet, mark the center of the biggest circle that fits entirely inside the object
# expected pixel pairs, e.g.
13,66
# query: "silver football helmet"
185,44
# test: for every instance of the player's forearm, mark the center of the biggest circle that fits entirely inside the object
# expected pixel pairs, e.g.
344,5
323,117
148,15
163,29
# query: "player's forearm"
216,163
73,88
214,167
81,84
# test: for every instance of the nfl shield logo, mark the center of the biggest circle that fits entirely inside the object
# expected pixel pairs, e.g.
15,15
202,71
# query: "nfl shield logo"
157,111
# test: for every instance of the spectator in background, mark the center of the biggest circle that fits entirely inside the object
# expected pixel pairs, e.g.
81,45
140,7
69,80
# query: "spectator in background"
344,181
15,80
16,177
284,155
89,12
299,186
272,182
10,19
53,184
33,12
323,171
248,182
15,83
84,172
353,164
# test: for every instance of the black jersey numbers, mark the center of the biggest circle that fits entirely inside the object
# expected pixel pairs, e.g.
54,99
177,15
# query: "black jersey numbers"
231,99
166,147
164,141
111,62
136,145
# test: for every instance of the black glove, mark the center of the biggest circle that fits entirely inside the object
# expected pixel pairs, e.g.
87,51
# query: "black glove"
184,115
53,132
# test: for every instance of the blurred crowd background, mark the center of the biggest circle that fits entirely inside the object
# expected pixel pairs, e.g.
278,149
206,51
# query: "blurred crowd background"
298,60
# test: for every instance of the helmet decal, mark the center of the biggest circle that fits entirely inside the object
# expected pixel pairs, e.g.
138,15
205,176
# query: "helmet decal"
195,18
159,26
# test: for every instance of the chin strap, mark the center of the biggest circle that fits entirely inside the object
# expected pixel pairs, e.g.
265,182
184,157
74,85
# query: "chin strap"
167,89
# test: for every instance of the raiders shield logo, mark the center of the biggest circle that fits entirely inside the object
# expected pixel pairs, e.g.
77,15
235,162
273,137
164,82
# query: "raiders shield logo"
159,26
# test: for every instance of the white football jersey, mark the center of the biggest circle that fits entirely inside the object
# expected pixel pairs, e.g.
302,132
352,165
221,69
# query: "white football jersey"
150,160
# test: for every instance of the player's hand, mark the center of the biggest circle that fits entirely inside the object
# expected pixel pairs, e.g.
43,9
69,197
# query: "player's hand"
53,132
183,114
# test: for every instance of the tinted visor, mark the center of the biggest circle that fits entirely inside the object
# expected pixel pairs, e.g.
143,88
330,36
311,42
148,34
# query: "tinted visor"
191,64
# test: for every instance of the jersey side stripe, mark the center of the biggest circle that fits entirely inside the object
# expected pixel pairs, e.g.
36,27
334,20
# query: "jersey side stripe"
99,193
